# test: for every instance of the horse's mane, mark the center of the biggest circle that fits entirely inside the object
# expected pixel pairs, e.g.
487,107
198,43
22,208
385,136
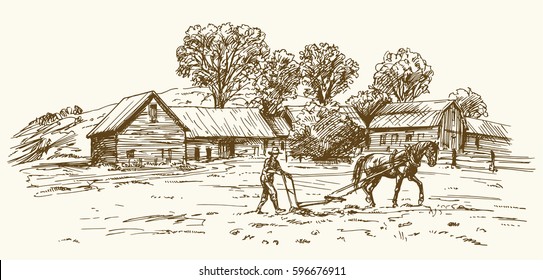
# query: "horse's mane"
414,152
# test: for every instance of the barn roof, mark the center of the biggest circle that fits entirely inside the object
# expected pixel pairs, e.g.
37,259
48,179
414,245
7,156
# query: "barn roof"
410,114
485,127
228,122
350,112
128,108
279,126
293,111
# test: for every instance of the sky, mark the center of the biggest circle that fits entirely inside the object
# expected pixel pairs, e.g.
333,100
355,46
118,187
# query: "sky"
61,53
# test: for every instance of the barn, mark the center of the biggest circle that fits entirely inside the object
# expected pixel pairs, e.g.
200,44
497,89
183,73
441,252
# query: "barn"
140,130
224,133
483,136
398,124
281,130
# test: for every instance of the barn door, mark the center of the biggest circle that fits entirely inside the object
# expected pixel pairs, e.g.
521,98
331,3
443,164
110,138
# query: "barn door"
208,153
231,149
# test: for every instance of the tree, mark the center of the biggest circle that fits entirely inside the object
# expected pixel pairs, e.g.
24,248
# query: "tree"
278,81
224,58
471,103
405,75
367,102
326,71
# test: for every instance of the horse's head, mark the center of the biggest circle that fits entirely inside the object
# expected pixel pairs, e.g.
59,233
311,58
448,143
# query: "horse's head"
430,152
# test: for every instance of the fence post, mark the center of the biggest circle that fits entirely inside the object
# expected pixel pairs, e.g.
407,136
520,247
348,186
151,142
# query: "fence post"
453,162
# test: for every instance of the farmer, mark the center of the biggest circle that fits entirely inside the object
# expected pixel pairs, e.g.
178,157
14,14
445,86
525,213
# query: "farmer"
271,167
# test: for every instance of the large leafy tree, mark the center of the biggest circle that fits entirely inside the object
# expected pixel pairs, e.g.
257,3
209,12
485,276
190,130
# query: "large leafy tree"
404,75
278,81
224,58
470,102
326,72
367,102
322,131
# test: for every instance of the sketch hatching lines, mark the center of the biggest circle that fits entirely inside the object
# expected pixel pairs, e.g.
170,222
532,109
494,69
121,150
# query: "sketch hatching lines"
325,159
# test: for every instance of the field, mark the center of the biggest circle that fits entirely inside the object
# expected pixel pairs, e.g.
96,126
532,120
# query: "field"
207,211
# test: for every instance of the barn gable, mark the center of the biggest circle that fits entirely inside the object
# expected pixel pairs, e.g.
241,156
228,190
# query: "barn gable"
127,110
140,130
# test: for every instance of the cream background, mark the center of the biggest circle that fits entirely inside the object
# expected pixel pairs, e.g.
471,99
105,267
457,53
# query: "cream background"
60,53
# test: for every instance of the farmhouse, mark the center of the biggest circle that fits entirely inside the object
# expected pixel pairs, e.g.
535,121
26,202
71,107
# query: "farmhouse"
223,133
482,136
398,124
141,129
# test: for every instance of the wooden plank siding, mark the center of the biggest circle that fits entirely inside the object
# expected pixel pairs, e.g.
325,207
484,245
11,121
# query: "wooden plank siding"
384,140
202,145
149,141
103,149
484,144
220,147
250,146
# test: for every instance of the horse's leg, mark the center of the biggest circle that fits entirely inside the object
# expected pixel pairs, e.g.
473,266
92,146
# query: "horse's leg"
369,193
364,187
399,180
421,190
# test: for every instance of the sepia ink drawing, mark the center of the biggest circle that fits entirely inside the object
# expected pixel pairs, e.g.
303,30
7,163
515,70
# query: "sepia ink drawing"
395,161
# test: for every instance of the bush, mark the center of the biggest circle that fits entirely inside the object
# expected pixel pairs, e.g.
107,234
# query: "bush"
324,133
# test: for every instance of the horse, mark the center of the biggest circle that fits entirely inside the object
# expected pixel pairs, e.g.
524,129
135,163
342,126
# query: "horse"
399,165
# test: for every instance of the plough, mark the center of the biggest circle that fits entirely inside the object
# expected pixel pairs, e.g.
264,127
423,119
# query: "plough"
335,196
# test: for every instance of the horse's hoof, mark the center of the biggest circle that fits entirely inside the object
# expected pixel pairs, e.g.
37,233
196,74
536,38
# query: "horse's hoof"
394,205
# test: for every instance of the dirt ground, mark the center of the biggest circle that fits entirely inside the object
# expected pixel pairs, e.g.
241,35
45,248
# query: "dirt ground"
208,212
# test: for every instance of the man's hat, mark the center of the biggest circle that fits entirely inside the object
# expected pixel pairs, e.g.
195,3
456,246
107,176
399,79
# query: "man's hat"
274,151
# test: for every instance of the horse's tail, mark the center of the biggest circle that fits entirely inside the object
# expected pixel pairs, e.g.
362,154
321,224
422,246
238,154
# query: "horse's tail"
358,170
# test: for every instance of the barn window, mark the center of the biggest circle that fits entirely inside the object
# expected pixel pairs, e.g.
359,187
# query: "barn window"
153,113
409,136
394,138
130,153
383,139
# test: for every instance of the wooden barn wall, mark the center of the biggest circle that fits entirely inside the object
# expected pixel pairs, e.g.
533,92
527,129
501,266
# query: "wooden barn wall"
202,144
397,139
103,149
500,146
220,147
276,142
249,147
152,142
